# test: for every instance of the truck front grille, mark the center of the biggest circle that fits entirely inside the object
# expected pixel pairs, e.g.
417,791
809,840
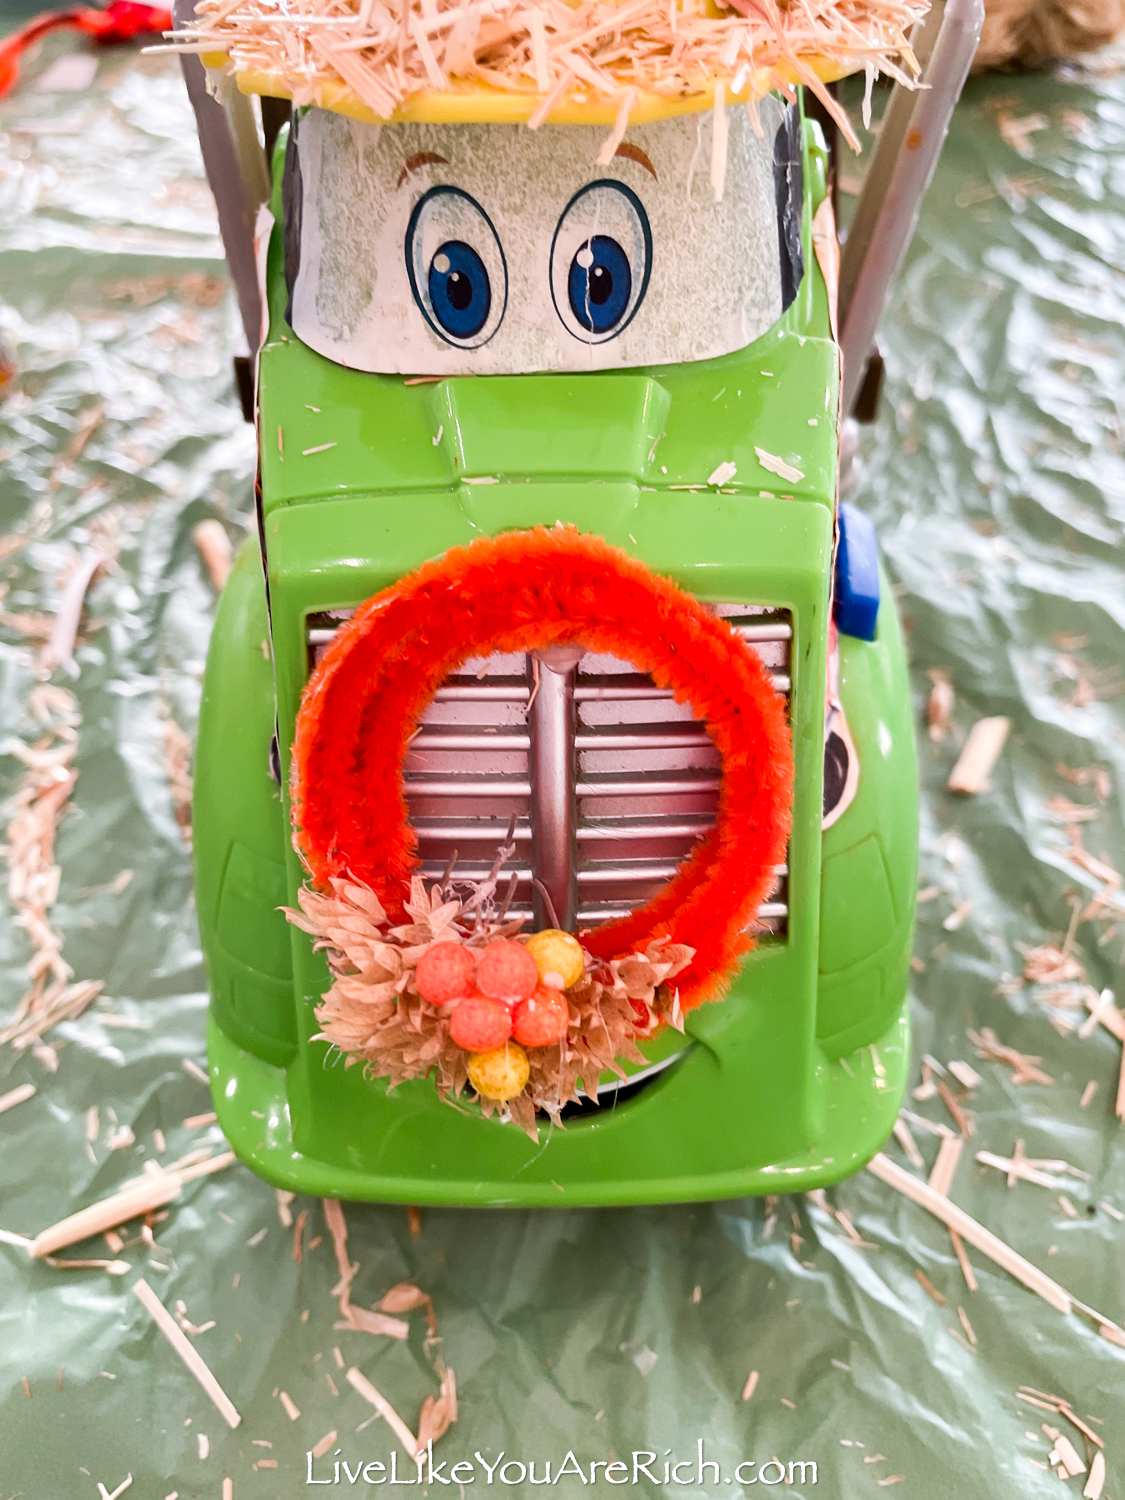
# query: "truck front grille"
610,780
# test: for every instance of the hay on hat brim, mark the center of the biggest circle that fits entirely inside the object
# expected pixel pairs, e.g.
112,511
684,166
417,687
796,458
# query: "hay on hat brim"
475,103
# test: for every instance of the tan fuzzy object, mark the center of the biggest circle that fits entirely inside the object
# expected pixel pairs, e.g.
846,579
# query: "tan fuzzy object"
1031,33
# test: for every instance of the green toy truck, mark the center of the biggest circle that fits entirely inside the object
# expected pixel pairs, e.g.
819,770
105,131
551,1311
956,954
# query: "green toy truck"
718,471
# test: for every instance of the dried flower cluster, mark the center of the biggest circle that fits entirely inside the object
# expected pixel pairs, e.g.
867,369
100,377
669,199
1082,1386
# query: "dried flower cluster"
375,1016
593,50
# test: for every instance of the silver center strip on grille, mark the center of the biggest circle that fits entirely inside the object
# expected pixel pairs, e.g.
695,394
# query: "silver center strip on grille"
611,782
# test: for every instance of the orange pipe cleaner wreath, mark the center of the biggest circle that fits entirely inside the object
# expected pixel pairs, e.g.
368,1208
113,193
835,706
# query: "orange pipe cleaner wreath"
517,592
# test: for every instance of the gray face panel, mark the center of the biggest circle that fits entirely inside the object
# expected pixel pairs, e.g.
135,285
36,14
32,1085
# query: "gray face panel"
494,249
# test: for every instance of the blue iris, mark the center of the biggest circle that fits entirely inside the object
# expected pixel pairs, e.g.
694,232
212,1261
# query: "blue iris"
599,284
460,292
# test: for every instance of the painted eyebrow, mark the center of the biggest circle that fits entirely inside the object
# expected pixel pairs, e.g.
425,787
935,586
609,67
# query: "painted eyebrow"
423,159
634,153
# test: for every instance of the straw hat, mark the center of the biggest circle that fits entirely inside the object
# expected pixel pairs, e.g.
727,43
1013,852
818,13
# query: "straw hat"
589,62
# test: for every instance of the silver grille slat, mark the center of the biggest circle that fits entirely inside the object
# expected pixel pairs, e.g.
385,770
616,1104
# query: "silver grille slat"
418,786
649,788
624,779
439,740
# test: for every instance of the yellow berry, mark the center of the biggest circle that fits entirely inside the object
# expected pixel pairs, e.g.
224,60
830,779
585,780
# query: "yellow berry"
557,953
501,1074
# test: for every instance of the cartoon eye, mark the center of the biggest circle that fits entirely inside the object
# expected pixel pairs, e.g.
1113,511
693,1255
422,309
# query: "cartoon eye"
456,265
601,260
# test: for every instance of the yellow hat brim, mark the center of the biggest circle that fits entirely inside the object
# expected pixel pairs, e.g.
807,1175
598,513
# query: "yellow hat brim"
480,104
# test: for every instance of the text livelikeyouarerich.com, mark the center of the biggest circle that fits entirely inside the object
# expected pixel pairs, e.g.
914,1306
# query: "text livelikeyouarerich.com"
508,1471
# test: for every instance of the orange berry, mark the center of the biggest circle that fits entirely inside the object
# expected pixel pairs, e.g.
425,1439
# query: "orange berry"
541,1019
479,1024
506,971
445,972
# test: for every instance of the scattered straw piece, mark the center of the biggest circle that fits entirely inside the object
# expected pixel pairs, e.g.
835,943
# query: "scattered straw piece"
927,1286
1038,1170
908,1144
1107,1013
438,1413
723,474
945,1164
775,465
963,1318
191,1329
1047,964
59,650
197,1122
111,1267
939,709
177,750
405,1297
228,1488
105,1494
957,916
153,1190
299,1235
292,1410
41,798
190,1356
210,537
1024,1069
284,1199
19,1095
965,1075
321,1448
1088,1094
1066,1456
1096,1482
982,751
961,1117
963,1260
191,1066
414,1220
1076,1421
955,1218
359,1382
751,1385
355,1317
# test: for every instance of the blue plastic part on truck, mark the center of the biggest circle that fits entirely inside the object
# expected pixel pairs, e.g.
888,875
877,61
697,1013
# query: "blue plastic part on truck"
857,575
